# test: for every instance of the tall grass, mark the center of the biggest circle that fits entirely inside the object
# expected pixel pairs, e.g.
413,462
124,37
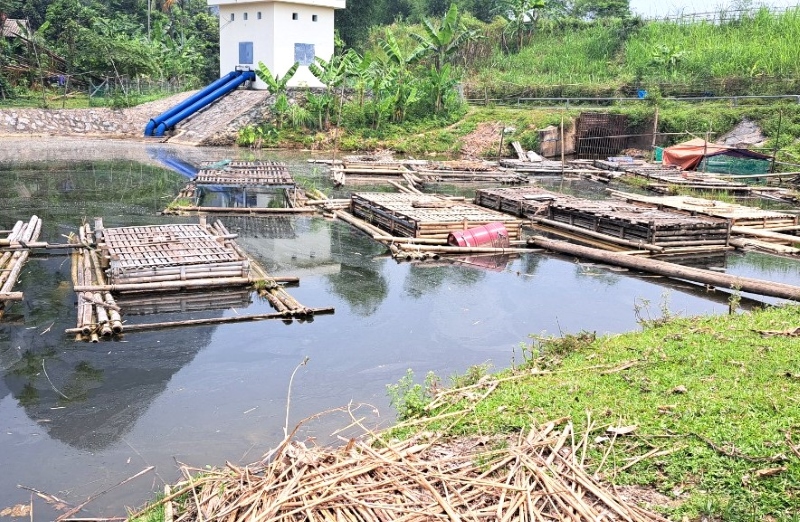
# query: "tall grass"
755,54
759,46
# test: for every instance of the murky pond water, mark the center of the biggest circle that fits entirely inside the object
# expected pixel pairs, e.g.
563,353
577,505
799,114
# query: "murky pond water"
77,418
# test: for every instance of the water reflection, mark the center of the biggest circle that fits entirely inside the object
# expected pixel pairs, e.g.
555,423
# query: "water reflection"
423,278
97,413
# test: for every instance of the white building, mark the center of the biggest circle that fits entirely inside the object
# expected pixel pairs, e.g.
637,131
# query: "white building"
277,33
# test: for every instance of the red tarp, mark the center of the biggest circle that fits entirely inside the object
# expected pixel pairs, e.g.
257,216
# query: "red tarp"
689,154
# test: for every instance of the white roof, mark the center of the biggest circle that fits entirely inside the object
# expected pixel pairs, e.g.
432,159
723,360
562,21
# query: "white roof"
335,4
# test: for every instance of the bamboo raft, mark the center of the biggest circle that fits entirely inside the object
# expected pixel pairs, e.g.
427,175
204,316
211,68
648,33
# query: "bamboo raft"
739,215
359,170
627,225
425,216
155,264
245,173
14,252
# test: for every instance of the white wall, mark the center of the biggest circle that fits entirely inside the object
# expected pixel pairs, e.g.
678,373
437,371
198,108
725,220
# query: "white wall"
304,30
274,35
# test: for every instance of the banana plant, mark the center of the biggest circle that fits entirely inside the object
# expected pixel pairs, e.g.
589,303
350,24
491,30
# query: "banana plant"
360,69
278,84
440,82
332,74
444,39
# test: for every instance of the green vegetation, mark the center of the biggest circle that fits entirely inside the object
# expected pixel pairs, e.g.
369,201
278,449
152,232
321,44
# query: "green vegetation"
714,402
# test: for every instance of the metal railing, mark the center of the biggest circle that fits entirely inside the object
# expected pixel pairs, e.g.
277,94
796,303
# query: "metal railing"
606,101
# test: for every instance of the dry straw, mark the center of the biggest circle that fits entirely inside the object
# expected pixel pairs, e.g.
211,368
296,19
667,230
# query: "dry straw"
532,476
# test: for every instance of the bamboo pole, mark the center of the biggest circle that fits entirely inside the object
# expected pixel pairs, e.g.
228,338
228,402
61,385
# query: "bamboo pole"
745,284
415,240
639,245
248,210
209,321
195,283
463,250
360,224
768,234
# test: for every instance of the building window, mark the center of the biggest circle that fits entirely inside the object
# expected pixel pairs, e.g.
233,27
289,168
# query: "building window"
304,53
313,18
245,53
233,15
245,16
295,16
258,15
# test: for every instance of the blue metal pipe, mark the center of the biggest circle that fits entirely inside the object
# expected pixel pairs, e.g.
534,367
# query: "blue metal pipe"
199,104
153,123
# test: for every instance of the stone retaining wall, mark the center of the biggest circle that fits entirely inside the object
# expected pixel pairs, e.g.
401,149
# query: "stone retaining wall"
93,122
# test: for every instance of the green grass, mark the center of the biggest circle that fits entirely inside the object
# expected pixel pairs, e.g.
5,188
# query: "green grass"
741,399
54,100
754,55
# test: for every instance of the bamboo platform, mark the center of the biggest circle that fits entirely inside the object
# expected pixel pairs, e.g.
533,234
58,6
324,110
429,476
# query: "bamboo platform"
425,216
245,173
14,252
624,224
150,269
361,170
739,215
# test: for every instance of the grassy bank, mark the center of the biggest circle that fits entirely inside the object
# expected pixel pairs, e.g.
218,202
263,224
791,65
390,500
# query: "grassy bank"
713,405
697,418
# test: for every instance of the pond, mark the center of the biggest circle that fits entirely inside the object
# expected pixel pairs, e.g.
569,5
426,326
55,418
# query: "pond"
78,418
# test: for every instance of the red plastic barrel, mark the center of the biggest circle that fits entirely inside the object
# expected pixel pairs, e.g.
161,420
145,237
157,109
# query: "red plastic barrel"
490,234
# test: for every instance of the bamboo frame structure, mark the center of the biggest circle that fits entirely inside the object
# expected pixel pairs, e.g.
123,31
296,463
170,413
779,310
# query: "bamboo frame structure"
15,256
621,225
149,269
425,216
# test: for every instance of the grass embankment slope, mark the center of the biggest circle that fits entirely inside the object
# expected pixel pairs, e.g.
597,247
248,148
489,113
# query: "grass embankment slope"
733,54
715,402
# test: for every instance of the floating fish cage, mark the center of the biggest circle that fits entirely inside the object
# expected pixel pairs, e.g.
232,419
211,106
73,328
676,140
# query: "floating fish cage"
425,216
615,221
738,215
170,253
246,173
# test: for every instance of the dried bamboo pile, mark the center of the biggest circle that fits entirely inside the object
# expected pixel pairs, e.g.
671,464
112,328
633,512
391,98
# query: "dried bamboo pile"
245,173
188,192
14,256
422,216
528,477
466,171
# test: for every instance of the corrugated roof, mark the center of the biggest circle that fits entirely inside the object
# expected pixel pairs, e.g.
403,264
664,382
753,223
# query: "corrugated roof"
13,27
